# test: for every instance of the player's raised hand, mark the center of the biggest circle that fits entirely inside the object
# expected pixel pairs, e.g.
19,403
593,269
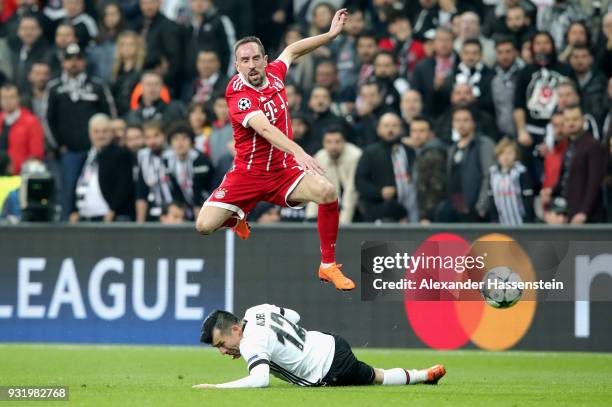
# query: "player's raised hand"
308,164
204,386
338,22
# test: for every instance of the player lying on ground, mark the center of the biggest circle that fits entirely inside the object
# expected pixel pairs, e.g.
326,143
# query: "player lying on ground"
270,341
268,165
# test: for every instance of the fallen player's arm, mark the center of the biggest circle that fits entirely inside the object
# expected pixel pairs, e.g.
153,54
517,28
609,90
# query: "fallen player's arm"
267,130
258,377
306,45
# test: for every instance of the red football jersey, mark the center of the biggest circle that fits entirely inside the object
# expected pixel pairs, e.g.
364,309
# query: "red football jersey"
253,152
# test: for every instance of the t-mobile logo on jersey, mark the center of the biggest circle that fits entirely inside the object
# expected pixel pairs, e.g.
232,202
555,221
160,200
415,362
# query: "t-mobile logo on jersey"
271,110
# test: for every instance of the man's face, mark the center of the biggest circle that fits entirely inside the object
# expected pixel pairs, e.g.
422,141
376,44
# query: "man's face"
542,44
470,55
134,140
443,44
606,25
149,7
366,49
200,7
294,99
151,87
251,63
175,216
29,31
181,144
220,109
463,123
462,95
39,75
74,65
577,35
229,343
384,67
64,35
9,100
118,130
320,101
207,64
515,19
100,134
401,29
557,124
567,96
73,7
573,122
411,104
470,25
299,128
326,75
420,132
154,139
505,55
389,127
322,17
370,95
581,61
354,24
333,143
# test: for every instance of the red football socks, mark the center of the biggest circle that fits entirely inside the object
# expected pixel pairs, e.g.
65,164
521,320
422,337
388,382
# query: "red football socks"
327,224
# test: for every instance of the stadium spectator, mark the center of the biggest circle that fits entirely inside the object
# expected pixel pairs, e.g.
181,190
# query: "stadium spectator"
30,46
431,73
368,109
339,159
302,71
503,6
525,50
28,8
103,52
162,39
427,18
134,139
21,134
127,69
190,172
366,52
85,26
271,17
582,171
553,157
200,122
345,51
430,168
74,98
503,85
469,160
470,30
173,214
391,85
265,213
604,53
208,30
406,50
6,65
411,106
221,132
568,95
241,15
152,106
152,188
537,91
295,99
578,34
36,96
210,81
463,96
105,186
557,19
384,177
326,75
118,128
592,83
515,25
64,36
511,192
321,117
321,17
302,135
225,163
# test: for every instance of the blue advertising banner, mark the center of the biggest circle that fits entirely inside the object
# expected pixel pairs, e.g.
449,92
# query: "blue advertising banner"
147,286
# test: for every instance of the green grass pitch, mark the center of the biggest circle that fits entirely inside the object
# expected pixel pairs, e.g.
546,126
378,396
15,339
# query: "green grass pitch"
162,376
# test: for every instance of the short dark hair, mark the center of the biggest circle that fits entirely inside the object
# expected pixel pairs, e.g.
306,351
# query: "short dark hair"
246,40
9,86
218,319
366,34
463,109
153,124
177,128
472,41
384,52
334,129
581,47
573,106
502,39
421,118
180,205
133,126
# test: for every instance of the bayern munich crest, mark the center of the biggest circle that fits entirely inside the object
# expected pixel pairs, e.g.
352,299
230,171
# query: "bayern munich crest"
220,193
244,104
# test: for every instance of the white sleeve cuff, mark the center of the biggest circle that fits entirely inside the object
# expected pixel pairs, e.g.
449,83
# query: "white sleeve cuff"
259,377
245,122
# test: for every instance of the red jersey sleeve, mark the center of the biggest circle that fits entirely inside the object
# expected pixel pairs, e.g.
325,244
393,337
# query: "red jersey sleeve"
242,106
278,68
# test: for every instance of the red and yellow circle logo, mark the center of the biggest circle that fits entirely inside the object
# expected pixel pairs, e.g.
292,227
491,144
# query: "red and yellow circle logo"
452,322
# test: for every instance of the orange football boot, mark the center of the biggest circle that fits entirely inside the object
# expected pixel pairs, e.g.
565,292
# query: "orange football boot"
434,374
242,229
332,274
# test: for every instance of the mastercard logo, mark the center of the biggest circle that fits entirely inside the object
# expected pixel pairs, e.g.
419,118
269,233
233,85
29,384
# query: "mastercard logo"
453,321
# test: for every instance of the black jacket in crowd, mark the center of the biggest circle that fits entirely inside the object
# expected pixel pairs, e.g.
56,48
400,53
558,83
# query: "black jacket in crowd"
423,81
159,111
122,89
72,105
485,124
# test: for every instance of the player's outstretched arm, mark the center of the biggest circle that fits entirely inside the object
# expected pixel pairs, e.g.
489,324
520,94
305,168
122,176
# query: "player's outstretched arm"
259,377
306,45
265,129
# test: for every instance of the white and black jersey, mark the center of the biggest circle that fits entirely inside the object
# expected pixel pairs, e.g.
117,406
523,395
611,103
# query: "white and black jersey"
272,336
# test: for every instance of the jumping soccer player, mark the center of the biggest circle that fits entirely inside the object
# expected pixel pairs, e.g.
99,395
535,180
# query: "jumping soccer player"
270,340
268,165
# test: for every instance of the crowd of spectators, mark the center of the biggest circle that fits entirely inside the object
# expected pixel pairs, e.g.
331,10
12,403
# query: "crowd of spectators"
421,111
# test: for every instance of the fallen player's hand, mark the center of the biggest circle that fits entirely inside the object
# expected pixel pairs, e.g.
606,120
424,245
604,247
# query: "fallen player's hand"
204,386
308,164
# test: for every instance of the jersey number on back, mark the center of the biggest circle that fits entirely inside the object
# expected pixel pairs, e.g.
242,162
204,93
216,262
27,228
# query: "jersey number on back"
281,334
